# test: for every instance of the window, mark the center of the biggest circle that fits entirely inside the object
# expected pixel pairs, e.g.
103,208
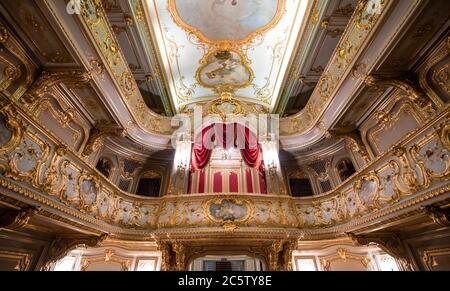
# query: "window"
224,265
300,187
149,187
345,169
104,166
146,265
149,184
386,263
66,264
306,265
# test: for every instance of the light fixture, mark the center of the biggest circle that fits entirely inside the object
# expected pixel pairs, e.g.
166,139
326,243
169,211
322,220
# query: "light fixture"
183,155
270,155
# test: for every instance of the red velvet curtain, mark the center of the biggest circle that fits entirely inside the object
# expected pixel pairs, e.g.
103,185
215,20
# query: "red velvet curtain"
251,152
217,187
189,189
225,135
233,186
248,176
200,152
229,135
262,179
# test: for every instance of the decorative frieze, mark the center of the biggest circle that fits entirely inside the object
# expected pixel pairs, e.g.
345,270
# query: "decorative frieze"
406,176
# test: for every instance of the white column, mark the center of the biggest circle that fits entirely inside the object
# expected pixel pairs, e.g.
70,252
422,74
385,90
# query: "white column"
181,166
274,177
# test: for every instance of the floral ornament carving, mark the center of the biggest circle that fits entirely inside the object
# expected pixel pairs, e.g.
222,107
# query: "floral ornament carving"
46,81
438,215
279,255
51,178
96,137
367,12
11,130
173,255
344,52
388,242
426,104
367,192
4,34
13,219
27,160
11,73
90,189
60,246
354,141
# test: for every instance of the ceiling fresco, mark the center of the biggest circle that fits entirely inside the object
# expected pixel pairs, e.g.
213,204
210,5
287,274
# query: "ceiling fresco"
208,47
214,21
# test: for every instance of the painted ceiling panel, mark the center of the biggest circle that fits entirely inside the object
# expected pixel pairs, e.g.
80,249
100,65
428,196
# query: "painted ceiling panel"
210,47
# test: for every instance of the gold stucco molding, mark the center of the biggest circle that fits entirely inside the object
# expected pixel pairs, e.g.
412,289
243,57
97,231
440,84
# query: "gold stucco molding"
197,32
388,242
61,245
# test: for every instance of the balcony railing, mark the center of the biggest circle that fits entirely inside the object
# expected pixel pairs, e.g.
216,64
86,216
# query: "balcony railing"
37,168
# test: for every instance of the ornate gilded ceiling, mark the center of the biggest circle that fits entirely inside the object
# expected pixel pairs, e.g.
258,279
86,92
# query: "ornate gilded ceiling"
210,46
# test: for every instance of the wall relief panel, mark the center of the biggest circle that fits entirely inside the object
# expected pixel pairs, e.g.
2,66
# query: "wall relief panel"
417,167
17,69
38,31
390,124
64,122
434,74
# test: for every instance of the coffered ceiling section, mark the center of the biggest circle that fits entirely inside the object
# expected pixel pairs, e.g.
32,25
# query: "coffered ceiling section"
208,47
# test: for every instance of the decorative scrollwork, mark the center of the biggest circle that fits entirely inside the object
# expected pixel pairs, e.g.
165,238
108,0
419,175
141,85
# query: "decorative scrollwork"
14,219
46,81
388,242
60,246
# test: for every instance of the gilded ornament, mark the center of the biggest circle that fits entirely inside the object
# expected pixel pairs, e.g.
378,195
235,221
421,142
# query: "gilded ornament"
225,42
4,34
367,13
218,70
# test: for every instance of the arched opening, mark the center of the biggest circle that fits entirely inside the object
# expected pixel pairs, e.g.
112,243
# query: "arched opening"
104,166
300,187
149,184
226,263
345,169
230,156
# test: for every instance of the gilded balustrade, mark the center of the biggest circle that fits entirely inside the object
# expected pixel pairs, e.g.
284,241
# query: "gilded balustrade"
36,165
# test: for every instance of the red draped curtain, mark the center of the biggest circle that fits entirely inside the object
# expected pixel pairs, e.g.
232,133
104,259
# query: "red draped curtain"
262,179
251,152
201,182
217,188
229,136
249,180
233,186
200,152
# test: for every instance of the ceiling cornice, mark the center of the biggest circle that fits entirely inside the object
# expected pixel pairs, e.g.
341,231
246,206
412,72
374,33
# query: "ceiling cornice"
338,86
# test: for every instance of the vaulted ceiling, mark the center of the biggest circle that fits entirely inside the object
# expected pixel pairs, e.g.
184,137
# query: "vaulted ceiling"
267,52
210,46
285,55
